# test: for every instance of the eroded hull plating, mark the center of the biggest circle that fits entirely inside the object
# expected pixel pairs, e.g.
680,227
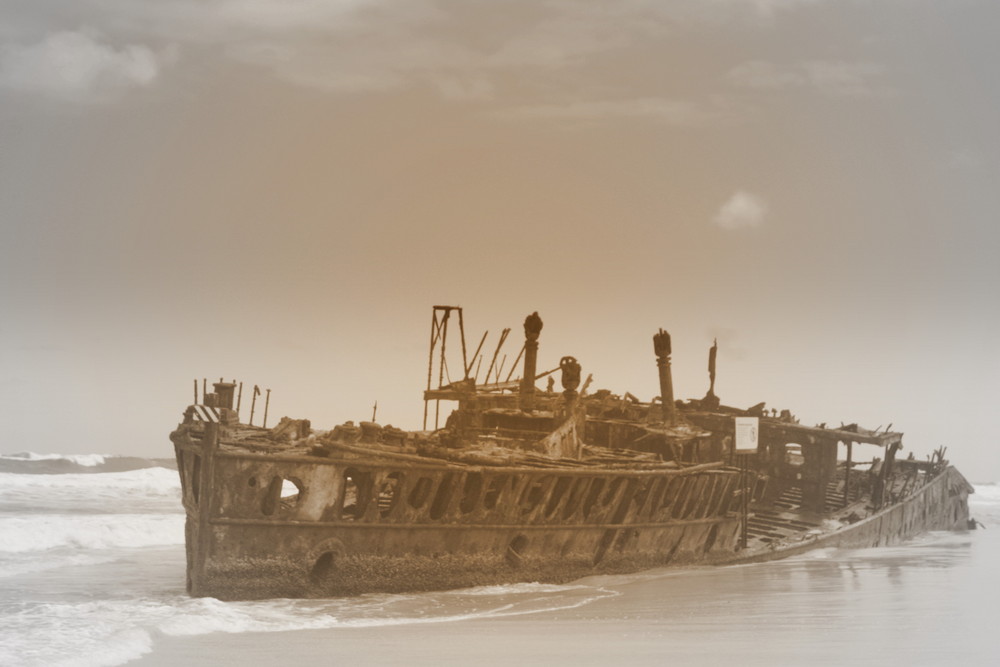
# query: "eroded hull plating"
354,526
350,526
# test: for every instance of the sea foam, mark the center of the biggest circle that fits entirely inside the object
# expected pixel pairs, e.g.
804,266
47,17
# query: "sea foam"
33,463
79,459
103,531
142,490
114,631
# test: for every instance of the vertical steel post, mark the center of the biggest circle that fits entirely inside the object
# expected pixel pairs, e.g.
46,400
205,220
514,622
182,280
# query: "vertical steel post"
661,345
745,519
847,474
267,402
253,402
430,361
532,328
444,342
461,330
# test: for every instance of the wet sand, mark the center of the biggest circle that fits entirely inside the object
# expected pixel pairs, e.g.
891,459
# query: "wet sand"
907,606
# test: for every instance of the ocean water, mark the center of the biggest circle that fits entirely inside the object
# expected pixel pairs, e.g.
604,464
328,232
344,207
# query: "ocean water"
92,573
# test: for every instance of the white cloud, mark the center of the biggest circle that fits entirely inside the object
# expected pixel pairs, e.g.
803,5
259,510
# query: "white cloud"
843,78
763,74
289,14
830,77
674,112
742,210
77,65
463,50
562,42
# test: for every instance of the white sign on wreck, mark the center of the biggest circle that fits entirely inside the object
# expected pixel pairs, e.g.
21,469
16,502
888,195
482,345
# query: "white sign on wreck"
747,429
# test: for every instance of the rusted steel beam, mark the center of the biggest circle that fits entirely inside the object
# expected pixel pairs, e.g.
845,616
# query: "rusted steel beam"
513,366
461,330
435,525
267,403
476,355
720,503
496,352
423,462
253,402
532,329
705,498
430,361
661,345
444,342
847,474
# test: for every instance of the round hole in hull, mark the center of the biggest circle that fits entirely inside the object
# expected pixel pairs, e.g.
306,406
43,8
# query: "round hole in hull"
515,550
323,567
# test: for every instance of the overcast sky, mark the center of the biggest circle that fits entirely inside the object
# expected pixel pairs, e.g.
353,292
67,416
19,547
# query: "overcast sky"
279,191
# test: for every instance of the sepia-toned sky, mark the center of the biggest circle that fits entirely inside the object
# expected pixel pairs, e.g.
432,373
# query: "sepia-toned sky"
279,192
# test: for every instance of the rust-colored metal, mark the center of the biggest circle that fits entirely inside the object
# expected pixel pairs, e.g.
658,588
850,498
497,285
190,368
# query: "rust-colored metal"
532,328
496,352
267,403
711,401
522,486
253,402
661,345
437,354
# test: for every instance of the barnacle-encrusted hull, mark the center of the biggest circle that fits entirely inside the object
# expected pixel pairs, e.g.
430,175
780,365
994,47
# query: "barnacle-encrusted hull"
446,526
356,525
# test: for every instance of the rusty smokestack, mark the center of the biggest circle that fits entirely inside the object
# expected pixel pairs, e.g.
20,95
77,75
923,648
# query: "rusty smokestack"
225,391
661,345
532,327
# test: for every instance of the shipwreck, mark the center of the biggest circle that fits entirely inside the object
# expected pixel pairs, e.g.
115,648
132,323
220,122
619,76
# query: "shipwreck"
523,484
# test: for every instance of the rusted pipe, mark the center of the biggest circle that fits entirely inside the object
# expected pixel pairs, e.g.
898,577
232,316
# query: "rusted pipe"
661,345
253,402
532,328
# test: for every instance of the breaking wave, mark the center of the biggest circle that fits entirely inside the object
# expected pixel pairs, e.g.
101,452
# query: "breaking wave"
105,531
33,463
984,504
142,490
79,459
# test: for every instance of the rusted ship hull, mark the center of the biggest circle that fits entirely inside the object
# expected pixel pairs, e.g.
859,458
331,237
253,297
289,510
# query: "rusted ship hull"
446,527
443,526
940,504
533,486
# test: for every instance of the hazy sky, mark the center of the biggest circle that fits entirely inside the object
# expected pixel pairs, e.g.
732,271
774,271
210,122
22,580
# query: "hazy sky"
279,191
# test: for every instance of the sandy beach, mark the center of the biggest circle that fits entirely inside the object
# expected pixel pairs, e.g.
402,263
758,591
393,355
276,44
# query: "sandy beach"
928,603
